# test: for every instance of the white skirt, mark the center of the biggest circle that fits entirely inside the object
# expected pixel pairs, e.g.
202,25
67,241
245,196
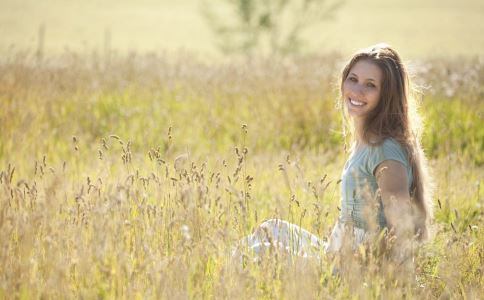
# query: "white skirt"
282,235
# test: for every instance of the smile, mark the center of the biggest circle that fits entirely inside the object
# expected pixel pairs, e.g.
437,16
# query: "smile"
356,102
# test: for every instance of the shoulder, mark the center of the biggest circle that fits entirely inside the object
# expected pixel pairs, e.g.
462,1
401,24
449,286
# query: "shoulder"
392,144
388,150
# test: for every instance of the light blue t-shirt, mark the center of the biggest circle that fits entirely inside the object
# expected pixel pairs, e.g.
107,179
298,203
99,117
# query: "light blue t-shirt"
360,202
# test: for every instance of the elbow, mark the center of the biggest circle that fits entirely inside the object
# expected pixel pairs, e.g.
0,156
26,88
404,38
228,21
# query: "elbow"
398,213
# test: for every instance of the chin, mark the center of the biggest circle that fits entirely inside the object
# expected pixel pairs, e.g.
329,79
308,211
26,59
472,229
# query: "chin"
356,114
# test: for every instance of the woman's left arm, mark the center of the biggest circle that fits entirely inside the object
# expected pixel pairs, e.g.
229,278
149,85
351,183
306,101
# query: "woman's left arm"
392,180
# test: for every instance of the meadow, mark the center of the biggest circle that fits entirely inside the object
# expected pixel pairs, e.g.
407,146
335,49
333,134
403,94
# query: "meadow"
454,27
133,176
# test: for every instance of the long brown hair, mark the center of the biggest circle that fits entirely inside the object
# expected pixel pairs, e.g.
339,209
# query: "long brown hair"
395,116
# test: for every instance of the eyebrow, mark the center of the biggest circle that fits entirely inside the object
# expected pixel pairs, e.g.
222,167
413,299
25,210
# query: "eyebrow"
369,79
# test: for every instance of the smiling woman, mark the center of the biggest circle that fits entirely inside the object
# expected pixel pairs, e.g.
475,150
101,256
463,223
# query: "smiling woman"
361,89
384,185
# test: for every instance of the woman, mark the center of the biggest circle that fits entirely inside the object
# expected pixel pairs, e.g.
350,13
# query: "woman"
385,187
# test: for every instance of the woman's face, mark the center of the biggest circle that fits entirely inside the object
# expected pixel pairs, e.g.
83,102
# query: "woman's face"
361,89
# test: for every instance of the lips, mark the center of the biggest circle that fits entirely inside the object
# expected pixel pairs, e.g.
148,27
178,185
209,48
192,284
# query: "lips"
357,102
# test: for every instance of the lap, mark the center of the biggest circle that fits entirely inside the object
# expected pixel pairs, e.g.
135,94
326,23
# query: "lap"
282,235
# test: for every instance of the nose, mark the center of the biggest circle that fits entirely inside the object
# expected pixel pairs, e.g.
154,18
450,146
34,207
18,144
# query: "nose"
358,89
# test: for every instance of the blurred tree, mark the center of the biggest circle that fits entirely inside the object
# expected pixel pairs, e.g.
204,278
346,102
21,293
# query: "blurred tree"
272,27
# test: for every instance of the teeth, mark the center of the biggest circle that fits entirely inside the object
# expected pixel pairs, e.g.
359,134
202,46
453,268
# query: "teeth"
356,103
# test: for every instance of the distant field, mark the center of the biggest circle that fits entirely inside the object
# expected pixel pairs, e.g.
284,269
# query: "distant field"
417,28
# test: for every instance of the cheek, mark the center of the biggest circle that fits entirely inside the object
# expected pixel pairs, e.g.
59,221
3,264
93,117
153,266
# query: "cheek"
375,96
346,87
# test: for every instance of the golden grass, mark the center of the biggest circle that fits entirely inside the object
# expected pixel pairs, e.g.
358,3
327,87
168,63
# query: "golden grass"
454,27
134,178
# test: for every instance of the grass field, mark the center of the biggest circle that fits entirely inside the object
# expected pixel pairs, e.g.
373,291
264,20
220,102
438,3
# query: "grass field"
417,28
132,174
129,178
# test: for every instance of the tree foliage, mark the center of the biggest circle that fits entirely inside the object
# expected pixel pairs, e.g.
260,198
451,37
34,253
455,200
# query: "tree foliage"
273,27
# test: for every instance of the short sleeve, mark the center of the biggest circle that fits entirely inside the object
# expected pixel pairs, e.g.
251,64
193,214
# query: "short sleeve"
388,150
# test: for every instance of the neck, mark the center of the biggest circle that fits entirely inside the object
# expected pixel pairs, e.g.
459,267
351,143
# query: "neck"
358,124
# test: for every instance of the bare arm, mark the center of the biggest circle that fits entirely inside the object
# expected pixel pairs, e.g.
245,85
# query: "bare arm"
392,182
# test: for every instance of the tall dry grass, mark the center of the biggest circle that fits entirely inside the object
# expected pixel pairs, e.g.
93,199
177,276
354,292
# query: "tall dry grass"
133,177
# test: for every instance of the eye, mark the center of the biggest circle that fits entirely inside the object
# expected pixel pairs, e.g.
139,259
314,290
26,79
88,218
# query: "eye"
370,85
352,79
